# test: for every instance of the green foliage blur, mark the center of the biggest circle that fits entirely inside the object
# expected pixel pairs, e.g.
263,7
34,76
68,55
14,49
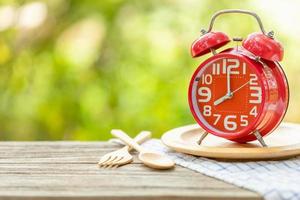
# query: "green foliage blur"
73,70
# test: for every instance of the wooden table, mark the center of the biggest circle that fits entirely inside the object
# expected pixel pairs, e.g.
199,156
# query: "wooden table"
68,170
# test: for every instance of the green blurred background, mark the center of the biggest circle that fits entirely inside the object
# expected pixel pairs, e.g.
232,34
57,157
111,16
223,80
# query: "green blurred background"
73,70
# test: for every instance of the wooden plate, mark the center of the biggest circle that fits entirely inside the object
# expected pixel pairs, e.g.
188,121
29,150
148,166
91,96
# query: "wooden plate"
284,142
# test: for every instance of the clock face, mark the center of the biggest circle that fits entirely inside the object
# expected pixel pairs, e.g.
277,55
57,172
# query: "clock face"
227,96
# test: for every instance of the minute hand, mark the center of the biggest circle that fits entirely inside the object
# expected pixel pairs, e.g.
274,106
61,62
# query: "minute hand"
228,81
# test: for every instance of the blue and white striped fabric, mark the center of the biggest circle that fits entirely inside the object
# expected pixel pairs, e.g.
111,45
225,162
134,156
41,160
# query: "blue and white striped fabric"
272,179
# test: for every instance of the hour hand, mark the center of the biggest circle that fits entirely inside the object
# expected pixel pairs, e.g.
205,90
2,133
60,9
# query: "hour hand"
222,99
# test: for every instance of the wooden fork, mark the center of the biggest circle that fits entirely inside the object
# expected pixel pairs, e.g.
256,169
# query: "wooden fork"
121,157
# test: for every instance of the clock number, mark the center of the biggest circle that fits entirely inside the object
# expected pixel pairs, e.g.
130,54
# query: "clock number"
224,64
204,92
253,111
256,93
230,63
230,125
244,120
232,66
218,116
244,69
216,69
256,89
207,110
206,79
253,79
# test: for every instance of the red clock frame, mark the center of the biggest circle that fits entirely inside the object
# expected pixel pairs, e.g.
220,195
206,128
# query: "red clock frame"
275,98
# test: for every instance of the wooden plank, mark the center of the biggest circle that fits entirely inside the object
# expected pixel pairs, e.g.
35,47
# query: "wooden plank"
68,170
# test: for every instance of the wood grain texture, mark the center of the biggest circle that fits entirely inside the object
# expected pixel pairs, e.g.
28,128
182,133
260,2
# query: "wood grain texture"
68,170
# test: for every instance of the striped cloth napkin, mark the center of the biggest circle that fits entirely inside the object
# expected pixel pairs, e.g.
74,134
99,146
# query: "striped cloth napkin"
272,179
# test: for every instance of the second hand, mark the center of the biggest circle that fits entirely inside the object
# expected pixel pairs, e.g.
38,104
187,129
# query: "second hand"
240,87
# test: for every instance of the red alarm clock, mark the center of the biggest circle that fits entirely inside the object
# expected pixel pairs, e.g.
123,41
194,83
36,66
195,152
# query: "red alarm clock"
240,93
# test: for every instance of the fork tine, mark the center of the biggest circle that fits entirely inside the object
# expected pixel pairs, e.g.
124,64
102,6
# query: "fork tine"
114,166
109,166
117,160
123,161
104,159
120,161
102,166
112,160
107,162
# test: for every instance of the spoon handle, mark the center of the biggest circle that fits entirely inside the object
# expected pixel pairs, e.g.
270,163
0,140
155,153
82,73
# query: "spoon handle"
125,138
141,137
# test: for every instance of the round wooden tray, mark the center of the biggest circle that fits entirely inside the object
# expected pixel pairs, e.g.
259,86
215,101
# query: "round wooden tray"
284,142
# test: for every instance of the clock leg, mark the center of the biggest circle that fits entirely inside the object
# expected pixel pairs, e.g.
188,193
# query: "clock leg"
259,138
202,137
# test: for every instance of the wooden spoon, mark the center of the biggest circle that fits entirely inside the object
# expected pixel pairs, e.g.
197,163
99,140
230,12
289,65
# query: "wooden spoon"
149,158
